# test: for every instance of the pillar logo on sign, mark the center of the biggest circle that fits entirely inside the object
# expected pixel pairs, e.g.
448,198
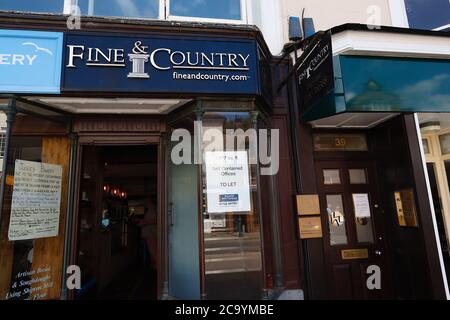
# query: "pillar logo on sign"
139,58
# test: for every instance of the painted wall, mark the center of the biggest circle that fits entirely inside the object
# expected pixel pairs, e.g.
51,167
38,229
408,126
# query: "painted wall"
330,13
266,15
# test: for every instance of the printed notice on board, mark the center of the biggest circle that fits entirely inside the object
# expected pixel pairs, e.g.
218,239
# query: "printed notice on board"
36,201
227,181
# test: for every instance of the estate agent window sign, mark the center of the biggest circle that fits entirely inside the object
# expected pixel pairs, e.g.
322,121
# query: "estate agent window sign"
227,182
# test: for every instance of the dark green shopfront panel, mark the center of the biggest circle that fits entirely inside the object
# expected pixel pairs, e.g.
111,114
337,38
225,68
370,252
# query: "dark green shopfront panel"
396,84
379,84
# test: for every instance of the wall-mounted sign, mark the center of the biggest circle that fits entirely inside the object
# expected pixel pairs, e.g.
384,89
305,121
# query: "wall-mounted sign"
110,63
310,227
354,254
308,204
315,75
227,182
30,61
340,142
406,208
36,201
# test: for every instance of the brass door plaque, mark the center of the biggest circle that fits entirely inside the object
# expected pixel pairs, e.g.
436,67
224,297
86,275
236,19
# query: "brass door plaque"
406,208
308,204
310,228
353,254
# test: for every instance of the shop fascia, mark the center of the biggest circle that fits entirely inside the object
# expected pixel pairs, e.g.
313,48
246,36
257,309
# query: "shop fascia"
162,59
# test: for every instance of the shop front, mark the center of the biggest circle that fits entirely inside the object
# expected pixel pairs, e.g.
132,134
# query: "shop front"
364,181
110,188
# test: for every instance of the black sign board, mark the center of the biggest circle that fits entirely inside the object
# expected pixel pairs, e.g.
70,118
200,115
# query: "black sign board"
315,75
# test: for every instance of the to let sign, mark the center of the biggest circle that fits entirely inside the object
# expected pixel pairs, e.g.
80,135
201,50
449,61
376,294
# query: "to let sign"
227,182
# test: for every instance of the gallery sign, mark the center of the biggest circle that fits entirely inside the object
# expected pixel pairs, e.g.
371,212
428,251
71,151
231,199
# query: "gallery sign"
227,182
109,63
30,61
315,75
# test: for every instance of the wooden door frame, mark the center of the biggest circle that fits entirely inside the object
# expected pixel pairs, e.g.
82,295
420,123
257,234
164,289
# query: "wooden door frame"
123,139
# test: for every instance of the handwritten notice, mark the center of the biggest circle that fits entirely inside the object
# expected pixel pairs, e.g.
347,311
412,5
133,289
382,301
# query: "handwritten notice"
36,201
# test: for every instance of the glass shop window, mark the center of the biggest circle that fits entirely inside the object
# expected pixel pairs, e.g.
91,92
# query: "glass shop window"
429,14
426,146
231,210
209,9
41,6
444,141
33,214
117,8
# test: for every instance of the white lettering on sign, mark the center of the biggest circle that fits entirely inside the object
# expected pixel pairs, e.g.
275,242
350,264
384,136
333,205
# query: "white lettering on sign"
36,200
140,56
314,64
17,59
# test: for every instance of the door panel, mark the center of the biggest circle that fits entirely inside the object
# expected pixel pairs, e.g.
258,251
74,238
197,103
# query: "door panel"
184,268
343,289
49,251
352,226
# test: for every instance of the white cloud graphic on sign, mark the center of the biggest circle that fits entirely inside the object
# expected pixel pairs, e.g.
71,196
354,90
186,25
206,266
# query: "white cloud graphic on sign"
37,48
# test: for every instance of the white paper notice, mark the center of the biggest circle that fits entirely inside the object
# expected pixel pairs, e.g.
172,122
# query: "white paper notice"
36,201
227,181
362,205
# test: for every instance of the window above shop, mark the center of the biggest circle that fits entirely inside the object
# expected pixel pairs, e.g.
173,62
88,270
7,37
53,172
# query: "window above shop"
429,14
206,9
41,6
147,9
228,11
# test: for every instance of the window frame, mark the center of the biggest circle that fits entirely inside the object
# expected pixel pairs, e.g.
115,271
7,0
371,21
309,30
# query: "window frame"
243,20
